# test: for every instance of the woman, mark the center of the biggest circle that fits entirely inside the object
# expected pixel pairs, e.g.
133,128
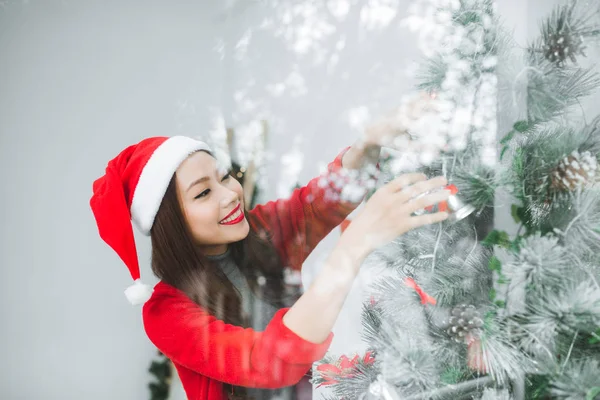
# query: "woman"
215,259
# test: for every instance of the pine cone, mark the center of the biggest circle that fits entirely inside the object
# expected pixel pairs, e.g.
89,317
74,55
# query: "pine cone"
463,320
560,46
574,171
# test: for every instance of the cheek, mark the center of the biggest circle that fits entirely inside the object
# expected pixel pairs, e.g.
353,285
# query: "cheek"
202,217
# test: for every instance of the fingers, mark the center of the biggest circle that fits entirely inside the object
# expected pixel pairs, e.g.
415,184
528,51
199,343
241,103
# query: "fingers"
427,219
421,187
404,180
425,201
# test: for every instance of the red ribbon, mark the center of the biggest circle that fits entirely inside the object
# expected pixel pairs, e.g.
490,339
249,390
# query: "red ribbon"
425,298
344,368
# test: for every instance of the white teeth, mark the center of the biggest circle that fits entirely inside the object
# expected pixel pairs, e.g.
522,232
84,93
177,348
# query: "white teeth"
234,216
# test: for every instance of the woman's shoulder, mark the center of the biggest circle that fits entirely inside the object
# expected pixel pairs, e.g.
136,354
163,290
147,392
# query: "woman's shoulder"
167,299
164,288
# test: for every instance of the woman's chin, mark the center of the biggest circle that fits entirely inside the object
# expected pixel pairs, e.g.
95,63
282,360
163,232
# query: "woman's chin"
241,230
246,227
234,232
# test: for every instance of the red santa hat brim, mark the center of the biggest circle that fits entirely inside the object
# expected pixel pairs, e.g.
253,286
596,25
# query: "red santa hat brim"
155,177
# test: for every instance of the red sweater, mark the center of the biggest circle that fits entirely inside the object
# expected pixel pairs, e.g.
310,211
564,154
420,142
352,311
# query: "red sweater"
208,352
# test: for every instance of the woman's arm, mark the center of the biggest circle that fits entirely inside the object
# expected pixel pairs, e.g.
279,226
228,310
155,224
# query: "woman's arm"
193,338
314,314
279,356
387,215
297,224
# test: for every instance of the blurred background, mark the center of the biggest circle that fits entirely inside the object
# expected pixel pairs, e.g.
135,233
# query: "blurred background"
292,80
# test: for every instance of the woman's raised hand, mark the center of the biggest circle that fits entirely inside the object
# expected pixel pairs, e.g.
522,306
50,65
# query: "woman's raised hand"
386,215
389,212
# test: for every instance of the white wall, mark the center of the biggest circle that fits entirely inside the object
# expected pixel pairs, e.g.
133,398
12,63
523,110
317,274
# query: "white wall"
79,81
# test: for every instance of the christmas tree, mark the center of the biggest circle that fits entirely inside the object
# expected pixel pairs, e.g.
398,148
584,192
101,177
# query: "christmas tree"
464,310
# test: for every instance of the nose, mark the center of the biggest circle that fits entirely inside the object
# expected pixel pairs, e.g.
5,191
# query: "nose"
230,197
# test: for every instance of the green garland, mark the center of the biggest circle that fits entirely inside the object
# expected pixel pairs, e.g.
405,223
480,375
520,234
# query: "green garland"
162,370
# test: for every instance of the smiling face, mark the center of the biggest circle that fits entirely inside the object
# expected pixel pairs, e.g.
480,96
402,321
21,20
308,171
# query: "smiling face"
212,203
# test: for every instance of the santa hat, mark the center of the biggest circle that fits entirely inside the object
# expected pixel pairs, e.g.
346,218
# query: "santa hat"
132,190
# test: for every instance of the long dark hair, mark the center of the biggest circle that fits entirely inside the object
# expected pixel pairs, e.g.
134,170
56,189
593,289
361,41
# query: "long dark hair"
178,260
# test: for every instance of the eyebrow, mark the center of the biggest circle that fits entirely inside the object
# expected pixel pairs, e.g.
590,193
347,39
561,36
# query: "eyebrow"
204,179
197,181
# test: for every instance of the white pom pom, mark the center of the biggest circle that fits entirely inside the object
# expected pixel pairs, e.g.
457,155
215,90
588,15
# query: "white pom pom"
138,293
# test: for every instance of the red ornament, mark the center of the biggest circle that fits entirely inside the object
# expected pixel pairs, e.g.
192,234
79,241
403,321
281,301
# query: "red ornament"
372,301
344,368
425,298
475,354
443,206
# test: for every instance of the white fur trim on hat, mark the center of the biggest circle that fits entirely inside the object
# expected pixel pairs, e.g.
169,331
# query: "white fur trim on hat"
155,178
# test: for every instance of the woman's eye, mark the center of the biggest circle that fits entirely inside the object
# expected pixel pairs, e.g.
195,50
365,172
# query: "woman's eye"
204,193
227,176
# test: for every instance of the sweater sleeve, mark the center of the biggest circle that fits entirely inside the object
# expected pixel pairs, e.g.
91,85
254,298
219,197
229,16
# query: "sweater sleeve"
297,224
191,337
